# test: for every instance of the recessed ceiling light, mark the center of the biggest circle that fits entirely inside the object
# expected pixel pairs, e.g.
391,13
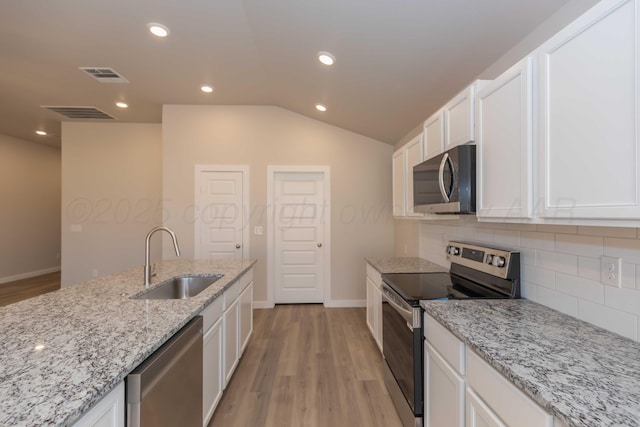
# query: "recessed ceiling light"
207,89
122,104
41,133
158,30
326,58
321,107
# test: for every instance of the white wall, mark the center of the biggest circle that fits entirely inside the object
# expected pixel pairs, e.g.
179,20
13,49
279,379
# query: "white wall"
30,213
112,192
259,136
561,266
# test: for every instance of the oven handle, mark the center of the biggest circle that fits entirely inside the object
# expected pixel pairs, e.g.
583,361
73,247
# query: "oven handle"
406,313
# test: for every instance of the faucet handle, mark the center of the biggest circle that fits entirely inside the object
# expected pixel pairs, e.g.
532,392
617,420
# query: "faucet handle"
153,270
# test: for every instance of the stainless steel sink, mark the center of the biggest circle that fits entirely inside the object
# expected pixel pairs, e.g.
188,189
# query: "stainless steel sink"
180,287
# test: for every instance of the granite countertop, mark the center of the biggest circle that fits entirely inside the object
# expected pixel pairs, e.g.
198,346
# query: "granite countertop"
582,374
63,351
405,265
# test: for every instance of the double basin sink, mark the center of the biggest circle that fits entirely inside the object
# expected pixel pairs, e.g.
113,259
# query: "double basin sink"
181,287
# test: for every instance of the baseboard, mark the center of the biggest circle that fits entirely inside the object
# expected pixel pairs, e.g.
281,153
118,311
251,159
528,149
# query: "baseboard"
263,304
29,275
343,303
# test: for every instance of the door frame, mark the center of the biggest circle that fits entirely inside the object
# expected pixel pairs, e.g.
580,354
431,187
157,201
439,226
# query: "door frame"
197,204
326,244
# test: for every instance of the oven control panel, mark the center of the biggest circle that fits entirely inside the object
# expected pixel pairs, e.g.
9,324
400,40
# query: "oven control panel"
493,261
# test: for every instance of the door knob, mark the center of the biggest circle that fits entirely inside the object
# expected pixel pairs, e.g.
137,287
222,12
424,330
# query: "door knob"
319,245
238,246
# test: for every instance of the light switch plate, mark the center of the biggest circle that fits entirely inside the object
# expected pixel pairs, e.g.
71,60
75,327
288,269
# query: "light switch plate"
258,231
610,271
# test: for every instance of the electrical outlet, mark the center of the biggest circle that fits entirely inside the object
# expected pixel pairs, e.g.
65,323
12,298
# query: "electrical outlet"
610,270
94,272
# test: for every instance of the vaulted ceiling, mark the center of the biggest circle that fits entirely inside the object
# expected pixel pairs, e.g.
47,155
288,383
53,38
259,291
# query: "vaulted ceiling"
396,60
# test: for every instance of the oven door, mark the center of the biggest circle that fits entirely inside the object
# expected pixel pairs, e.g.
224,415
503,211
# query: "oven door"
402,349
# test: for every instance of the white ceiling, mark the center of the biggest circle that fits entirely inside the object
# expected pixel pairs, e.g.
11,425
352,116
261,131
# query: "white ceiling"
397,60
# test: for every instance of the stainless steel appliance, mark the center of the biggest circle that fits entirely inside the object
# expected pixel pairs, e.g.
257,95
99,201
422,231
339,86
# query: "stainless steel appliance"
166,389
476,271
446,184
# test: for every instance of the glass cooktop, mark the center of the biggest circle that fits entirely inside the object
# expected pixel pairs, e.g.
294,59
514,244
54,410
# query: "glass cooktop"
414,287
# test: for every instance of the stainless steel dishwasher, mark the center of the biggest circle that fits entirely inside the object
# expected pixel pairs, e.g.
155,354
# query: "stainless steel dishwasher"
166,389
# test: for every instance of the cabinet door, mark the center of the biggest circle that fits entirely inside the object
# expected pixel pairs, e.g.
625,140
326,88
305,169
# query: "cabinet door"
108,412
459,119
230,319
246,316
413,156
444,392
589,110
212,370
371,321
479,414
377,302
433,135
398,177
504,126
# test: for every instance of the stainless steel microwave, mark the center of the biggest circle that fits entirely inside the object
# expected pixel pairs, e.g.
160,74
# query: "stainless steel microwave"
446,184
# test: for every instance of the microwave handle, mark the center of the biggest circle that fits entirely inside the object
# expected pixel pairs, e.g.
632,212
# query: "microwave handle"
445,196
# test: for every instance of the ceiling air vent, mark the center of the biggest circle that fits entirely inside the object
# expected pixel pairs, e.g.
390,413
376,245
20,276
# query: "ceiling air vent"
91,113
104,75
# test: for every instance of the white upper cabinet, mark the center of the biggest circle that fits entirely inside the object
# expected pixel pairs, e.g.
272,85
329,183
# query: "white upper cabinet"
398,178
413,156
504,137
459,116
434,135
589,152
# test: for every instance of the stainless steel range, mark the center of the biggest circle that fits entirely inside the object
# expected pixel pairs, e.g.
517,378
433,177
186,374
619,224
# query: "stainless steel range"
476,271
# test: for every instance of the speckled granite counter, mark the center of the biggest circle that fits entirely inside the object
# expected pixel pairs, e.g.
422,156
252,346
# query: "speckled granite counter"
404,265
584,375
92,335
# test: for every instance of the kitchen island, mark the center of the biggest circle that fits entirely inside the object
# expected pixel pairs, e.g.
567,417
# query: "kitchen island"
62,352
580,374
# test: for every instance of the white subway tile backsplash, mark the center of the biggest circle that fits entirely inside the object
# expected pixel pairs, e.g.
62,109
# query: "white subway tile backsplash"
560,265
580,287
627,300
536,240
589,268
558,301
617,321
628,276
607,231
591,246
563,263
507,238
539,276
627,249
566,229
528,291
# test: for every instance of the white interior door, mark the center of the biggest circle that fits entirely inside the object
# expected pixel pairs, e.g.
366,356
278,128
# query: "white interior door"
299,229
220,214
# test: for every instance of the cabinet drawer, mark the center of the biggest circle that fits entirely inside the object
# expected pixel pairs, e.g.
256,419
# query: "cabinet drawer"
505,399
374,275
211,314
450,347
234,291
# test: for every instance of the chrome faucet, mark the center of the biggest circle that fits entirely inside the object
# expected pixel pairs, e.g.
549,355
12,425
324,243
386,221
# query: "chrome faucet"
147,256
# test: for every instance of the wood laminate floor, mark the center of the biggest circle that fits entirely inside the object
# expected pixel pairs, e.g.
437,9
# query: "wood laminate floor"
307,365
19,290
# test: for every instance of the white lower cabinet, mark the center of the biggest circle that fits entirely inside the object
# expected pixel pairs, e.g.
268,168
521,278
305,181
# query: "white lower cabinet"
231,354
461,389
446,406
479,414
108,412
374,304
212,356
246,316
